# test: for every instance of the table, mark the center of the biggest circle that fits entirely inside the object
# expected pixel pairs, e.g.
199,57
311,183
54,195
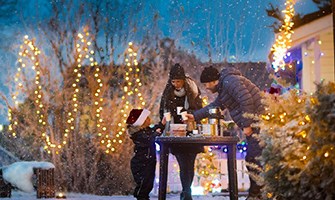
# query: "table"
166,141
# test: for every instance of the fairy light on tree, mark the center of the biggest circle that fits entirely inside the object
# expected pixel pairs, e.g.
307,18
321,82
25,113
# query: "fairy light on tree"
297,134
82,55
98,93
283,40
29,54
132,96
70,125
206,170
98,101
84,49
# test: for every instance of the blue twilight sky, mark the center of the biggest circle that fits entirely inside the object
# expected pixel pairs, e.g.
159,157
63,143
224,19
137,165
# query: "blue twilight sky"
232,30
238,29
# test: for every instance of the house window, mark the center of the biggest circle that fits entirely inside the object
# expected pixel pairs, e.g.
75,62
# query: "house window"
293,70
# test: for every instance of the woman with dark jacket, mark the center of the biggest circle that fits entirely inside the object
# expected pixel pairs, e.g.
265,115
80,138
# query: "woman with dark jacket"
181,91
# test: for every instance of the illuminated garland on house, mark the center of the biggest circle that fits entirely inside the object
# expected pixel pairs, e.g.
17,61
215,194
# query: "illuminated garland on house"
29,53
283,40
131,92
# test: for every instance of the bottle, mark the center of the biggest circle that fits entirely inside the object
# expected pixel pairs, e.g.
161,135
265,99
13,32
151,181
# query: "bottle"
199,128
214,119
190,126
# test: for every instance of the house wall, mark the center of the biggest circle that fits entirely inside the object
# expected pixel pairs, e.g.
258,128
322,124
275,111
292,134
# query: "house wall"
316,42
327,56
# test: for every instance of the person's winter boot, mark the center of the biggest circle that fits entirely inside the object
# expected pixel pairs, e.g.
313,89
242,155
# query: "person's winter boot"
254,191
185,196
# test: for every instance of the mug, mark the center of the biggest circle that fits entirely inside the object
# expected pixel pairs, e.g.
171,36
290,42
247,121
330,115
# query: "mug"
183,115
179,108
209,129
167,116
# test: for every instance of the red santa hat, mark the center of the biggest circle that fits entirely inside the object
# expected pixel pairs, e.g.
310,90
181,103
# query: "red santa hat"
137,117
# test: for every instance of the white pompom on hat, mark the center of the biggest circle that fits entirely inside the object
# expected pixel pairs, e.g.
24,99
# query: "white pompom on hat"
137,117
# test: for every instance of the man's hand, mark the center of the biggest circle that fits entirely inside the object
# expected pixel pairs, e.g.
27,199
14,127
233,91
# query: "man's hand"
190,117
247,131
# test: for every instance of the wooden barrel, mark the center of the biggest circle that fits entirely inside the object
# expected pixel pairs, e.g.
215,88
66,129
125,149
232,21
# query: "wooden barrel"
45,182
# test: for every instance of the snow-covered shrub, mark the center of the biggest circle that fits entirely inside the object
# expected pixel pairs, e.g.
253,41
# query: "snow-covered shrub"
298,135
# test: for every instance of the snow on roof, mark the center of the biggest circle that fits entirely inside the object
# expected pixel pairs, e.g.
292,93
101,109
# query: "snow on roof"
19,174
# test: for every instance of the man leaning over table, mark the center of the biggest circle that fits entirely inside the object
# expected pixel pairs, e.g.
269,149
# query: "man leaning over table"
239,95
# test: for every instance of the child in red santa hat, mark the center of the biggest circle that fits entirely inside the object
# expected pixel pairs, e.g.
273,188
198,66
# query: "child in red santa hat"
143,163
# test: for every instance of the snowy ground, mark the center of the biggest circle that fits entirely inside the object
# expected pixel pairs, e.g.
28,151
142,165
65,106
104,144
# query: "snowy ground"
23,181
72,196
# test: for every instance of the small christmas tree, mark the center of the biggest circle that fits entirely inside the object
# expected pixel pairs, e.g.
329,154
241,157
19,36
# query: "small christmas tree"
206,170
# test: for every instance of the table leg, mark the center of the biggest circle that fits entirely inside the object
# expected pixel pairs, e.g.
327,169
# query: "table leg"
163,170
232,172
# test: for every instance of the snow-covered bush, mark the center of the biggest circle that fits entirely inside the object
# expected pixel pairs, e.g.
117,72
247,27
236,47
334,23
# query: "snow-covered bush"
298,135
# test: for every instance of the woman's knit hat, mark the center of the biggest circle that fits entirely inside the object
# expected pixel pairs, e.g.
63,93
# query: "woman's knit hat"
177,72
209,74
137,117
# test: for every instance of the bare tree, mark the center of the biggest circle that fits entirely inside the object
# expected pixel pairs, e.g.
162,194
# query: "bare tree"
79,154
81,163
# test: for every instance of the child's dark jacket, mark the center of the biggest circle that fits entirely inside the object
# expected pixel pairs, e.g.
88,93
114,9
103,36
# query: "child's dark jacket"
143,163
144,140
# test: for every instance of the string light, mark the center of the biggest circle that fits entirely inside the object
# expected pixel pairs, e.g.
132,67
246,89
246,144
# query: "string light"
283,40
29,53
83,53
206,168
98,93
132,97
